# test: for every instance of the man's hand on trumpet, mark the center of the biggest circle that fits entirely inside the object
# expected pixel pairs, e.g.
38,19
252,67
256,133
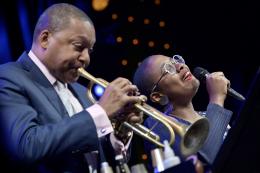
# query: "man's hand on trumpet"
129,114
118,96
118,101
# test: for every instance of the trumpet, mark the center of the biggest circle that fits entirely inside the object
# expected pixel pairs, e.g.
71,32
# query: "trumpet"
192,137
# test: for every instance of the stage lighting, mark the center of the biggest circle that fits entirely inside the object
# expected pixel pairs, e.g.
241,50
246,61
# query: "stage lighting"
135,41
124,62
97,91
99,5
166,46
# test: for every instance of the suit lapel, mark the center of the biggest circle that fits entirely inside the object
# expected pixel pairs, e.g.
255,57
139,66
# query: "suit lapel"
42,83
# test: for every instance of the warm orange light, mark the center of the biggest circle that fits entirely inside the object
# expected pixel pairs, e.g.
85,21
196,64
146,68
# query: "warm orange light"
130,18
146,21
135,41
151,43
119,39
166,46
144,157
99,5
157,2
124,62
114,16
162,24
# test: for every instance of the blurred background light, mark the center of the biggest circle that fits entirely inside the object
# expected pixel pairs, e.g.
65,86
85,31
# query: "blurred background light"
130,18
157,2
146,21
99,5
162,24
119,39
151,43
98,90
135,41
114,16
124,62
166,46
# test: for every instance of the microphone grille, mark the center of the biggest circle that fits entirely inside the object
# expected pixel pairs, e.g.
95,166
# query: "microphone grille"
200,73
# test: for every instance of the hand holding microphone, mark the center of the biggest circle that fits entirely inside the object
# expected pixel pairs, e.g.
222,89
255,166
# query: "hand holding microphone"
216,79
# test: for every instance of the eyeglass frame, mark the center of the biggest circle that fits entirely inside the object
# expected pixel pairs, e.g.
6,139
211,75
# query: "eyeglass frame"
173,61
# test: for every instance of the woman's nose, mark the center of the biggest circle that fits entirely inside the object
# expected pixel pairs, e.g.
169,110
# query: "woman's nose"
179,67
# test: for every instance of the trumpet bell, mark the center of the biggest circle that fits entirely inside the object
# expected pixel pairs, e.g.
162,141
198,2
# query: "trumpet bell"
194,137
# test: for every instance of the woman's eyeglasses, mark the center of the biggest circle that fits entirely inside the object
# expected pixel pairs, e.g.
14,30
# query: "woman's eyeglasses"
170,68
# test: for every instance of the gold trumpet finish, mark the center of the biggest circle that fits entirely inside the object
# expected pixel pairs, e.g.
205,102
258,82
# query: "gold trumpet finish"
192,137
137,128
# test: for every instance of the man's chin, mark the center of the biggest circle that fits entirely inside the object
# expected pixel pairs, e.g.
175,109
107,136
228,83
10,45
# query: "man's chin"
73,79
70,78
73,76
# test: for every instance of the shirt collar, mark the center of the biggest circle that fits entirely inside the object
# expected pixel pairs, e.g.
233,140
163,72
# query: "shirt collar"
42,67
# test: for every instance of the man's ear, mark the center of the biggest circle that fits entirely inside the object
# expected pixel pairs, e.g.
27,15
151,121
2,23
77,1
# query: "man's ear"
159,98
44,38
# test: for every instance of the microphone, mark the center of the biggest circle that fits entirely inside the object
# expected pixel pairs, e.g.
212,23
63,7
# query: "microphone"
201,74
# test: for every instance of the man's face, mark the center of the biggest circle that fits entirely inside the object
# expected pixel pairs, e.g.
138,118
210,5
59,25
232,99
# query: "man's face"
68,49
175,86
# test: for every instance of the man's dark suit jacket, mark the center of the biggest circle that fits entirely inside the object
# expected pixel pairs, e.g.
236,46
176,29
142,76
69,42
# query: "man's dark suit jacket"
36,130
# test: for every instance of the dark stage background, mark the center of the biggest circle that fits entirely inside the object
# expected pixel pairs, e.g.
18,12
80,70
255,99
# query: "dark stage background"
219,36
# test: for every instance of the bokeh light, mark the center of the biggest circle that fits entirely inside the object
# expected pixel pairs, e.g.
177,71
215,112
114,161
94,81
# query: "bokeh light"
99,5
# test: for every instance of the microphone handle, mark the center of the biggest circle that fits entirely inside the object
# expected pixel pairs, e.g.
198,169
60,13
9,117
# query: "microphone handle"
230,91
235,94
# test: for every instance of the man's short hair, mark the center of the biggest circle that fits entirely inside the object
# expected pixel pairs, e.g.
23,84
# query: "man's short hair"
57,17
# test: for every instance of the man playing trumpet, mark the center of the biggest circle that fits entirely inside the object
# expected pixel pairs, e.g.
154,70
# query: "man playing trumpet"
47,124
